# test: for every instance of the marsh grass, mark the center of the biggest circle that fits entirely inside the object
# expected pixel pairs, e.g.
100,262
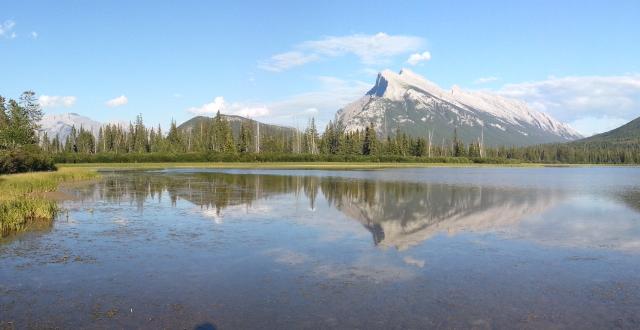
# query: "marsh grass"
22,199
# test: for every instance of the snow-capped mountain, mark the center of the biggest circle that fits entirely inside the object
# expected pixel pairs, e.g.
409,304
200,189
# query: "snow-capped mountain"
409,102
60,124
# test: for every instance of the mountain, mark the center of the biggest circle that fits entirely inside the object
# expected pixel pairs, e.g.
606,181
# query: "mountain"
415,105
628,133
236,122
60,124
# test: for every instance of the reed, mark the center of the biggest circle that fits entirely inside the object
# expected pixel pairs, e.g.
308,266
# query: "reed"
22,199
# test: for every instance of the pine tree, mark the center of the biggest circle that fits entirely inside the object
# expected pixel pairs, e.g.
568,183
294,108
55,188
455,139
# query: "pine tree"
458,145
311,137
100,141
29,103
46,143
20,130
245,138
173,137
370,142
4,123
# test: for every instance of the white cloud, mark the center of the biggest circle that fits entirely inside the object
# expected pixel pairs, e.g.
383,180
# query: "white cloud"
591,102
409,260
288,60
333,94
416,58
288,257
249,111
239,109
47,101
209,108
322,104
34,34
118,101
6,29
485,80
369,48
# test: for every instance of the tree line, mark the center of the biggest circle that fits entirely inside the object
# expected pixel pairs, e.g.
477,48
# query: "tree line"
216,136
19,150
214,139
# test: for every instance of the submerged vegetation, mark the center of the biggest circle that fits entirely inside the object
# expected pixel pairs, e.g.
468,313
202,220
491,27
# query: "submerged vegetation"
23,200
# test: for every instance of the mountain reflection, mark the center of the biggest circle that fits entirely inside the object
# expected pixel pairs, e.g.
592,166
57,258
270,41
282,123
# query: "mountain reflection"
402,215
398,214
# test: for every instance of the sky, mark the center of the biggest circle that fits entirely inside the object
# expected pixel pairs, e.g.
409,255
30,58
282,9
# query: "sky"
286,61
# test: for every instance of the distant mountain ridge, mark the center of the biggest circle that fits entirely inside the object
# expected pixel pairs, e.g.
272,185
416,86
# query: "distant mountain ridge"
409,102
625,134
628,133
236,122
60,124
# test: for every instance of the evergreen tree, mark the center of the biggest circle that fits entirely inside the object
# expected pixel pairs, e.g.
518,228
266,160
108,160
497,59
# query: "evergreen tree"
245,138
29,103
458,145
46,143
20,130
311,137
4,123
370,142
173,137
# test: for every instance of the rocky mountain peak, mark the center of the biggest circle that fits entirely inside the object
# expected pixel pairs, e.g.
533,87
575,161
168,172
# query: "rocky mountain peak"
408,101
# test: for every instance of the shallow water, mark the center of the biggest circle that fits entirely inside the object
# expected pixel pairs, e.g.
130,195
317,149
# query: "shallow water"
399,248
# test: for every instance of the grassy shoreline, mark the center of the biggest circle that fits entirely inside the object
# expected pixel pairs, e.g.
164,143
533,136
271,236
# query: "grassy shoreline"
23,202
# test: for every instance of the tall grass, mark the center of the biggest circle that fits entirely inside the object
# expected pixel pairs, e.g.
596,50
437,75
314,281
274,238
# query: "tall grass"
22,202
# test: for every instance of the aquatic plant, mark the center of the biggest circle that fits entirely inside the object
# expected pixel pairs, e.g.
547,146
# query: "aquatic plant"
23,201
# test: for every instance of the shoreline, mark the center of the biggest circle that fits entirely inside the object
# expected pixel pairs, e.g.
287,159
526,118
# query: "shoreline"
31,198
317,165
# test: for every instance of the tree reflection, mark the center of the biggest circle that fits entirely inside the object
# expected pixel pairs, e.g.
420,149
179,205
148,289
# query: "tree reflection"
398,214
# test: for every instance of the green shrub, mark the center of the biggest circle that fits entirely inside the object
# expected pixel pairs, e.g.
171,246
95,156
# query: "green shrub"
25,160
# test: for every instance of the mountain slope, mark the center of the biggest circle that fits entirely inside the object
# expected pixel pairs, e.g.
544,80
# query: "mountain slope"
625,134
236,121
60,124
415,105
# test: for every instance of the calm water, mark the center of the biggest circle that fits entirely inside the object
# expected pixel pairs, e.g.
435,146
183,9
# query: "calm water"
405,248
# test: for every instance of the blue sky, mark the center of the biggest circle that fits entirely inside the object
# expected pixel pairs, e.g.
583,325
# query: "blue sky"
283,61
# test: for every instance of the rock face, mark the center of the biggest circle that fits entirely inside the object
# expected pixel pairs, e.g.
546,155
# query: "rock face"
61,124
409,102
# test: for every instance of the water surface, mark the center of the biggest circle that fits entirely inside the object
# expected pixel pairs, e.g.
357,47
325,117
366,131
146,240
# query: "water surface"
397,248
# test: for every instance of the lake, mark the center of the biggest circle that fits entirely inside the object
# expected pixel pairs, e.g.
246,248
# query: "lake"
376,249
